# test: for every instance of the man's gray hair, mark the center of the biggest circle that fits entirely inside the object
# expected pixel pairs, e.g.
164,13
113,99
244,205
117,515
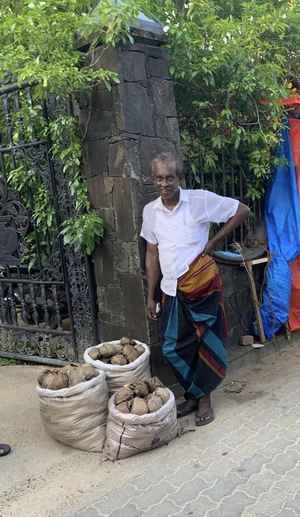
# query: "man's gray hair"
170,159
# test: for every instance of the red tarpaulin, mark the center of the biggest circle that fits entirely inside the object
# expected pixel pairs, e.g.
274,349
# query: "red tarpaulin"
294,313
295,141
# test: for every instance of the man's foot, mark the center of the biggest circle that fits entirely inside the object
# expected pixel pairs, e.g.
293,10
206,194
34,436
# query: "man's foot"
187,407
205,413
4,449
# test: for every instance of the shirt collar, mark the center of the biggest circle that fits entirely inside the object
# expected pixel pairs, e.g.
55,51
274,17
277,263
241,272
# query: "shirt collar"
183,197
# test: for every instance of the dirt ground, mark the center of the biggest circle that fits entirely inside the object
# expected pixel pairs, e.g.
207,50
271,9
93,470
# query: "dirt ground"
40,477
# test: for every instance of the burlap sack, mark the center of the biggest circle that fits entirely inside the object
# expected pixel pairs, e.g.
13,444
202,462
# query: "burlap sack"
77,416
117,376
127,435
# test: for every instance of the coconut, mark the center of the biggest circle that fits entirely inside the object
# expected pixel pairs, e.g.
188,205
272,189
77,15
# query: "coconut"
53,380
74,374
44,378
162,393
141,389
109,349
154,383
124,407
154,403
124,341
79,373
94,354
139,407
123,395
130,353
139,348
119,359
88,372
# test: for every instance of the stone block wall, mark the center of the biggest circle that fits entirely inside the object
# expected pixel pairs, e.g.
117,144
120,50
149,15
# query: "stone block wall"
124,129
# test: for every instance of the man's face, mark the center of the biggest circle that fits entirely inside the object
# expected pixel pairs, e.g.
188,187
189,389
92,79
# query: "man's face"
166,179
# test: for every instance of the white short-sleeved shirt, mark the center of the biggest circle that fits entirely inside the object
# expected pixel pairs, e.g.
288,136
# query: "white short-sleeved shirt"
182,233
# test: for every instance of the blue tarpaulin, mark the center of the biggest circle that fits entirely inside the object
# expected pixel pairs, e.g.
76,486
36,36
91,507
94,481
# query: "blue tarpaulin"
282,218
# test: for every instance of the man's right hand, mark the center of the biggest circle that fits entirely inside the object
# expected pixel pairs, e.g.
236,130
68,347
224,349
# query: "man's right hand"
151,310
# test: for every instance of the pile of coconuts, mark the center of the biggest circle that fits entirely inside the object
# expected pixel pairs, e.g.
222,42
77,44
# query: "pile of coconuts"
124,352
69,375
142,397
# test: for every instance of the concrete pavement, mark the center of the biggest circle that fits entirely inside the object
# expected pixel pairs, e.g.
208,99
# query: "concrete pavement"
247,463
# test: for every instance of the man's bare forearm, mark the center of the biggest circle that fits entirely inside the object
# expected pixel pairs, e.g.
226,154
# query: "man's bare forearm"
152,272
235,221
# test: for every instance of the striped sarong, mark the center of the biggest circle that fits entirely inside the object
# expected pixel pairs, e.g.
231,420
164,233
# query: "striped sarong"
195,328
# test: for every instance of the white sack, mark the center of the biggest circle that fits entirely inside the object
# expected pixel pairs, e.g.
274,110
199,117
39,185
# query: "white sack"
117,376
128,434
76,416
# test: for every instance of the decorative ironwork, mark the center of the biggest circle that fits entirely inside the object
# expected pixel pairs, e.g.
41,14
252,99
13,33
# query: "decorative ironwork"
14,224
231,184
47,308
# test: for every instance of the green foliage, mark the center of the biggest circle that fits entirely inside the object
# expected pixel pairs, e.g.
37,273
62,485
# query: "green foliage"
226,56
37,41
7,362
83,231
38,45
112,21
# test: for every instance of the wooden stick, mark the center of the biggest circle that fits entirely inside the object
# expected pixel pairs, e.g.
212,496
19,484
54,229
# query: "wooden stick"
256,301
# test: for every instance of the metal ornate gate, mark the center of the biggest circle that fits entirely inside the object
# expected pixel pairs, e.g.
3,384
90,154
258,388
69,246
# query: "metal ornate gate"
47,302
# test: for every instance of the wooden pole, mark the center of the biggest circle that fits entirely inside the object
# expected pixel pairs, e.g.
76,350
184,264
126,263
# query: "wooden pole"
261,331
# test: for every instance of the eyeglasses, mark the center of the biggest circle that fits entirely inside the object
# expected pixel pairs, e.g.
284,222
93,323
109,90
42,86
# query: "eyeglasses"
168,180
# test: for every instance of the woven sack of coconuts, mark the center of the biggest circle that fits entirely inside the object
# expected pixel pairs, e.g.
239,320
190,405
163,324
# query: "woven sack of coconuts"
141,416
73,405
123,361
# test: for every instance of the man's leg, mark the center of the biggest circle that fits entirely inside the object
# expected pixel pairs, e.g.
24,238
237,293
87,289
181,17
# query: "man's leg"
180,349
205,413
212,356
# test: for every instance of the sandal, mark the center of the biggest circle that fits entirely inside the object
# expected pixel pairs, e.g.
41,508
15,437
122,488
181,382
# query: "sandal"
187,407
205,413
205,419
4,449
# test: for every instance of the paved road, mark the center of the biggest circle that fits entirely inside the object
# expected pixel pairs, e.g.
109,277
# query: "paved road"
247,463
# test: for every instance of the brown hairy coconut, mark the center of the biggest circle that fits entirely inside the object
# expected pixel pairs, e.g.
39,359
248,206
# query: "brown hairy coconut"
124,407
109,349
154,383
162,393
154,403
124,341
94,354
123,395
139,348
53,380
119,360
87,371
139,407
130,353
140,388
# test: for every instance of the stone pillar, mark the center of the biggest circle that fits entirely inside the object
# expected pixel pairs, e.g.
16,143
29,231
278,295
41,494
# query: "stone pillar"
125,129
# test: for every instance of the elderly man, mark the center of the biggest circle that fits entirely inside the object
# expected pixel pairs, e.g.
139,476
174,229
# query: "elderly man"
176,228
